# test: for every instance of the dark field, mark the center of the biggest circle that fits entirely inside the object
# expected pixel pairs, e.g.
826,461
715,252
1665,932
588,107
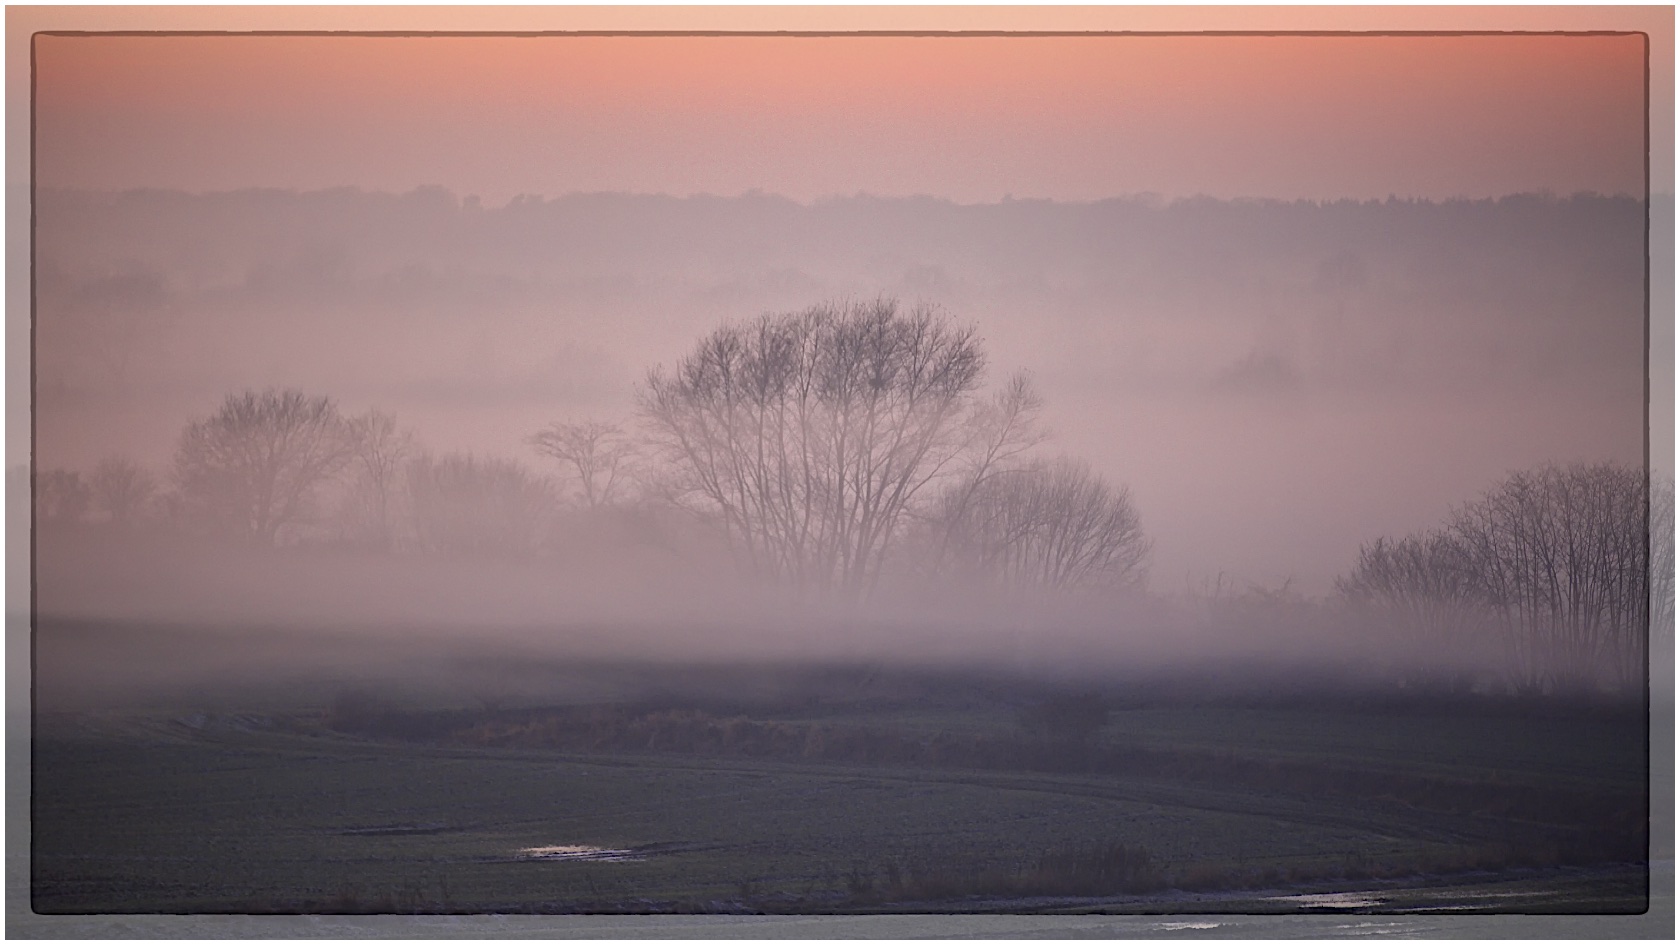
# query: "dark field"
829,789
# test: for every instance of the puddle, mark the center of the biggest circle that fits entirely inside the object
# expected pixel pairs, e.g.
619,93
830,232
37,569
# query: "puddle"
577,852
1330,900
1480,900
1182,926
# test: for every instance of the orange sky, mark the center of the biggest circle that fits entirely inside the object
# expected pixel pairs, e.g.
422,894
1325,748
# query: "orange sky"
966,118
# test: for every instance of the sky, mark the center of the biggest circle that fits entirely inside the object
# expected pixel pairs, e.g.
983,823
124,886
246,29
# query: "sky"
973,119
970,119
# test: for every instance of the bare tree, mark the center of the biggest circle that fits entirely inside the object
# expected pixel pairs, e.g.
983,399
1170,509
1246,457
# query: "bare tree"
1561,556
1049,525
1002,429
599,457
122,489
1429,581
380,449
253,467
1425,591
808,437
468,505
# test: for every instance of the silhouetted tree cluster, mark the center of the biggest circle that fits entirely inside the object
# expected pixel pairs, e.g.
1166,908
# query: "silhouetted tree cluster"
254,467
827,444
1047,525
1562,558
817,444
1551,563
817,440
1425,590
282,467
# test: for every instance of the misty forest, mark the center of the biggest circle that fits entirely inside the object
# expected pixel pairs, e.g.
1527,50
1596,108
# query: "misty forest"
609,553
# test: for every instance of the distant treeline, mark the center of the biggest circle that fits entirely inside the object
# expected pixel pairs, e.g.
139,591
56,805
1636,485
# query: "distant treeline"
164,296
851,446
586,231
950,485
115,269
821,449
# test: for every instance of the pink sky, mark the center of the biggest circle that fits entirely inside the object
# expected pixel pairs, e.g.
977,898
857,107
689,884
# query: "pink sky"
970,119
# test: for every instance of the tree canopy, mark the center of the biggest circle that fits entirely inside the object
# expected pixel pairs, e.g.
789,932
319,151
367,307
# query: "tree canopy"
810,436
251,468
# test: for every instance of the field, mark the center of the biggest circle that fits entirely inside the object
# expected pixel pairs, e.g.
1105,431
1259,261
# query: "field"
872,791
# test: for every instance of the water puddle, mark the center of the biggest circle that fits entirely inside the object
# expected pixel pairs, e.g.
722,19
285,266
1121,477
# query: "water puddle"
1481,900
1330,900
1182,926
574,851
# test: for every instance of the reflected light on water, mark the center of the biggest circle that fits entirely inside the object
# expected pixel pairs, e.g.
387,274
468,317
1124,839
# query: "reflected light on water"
575,852
1331,900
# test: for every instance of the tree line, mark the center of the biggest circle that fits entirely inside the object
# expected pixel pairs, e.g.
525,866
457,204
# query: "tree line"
1561,570
831,448
822,448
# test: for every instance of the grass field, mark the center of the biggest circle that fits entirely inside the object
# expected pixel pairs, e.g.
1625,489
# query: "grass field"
264,804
